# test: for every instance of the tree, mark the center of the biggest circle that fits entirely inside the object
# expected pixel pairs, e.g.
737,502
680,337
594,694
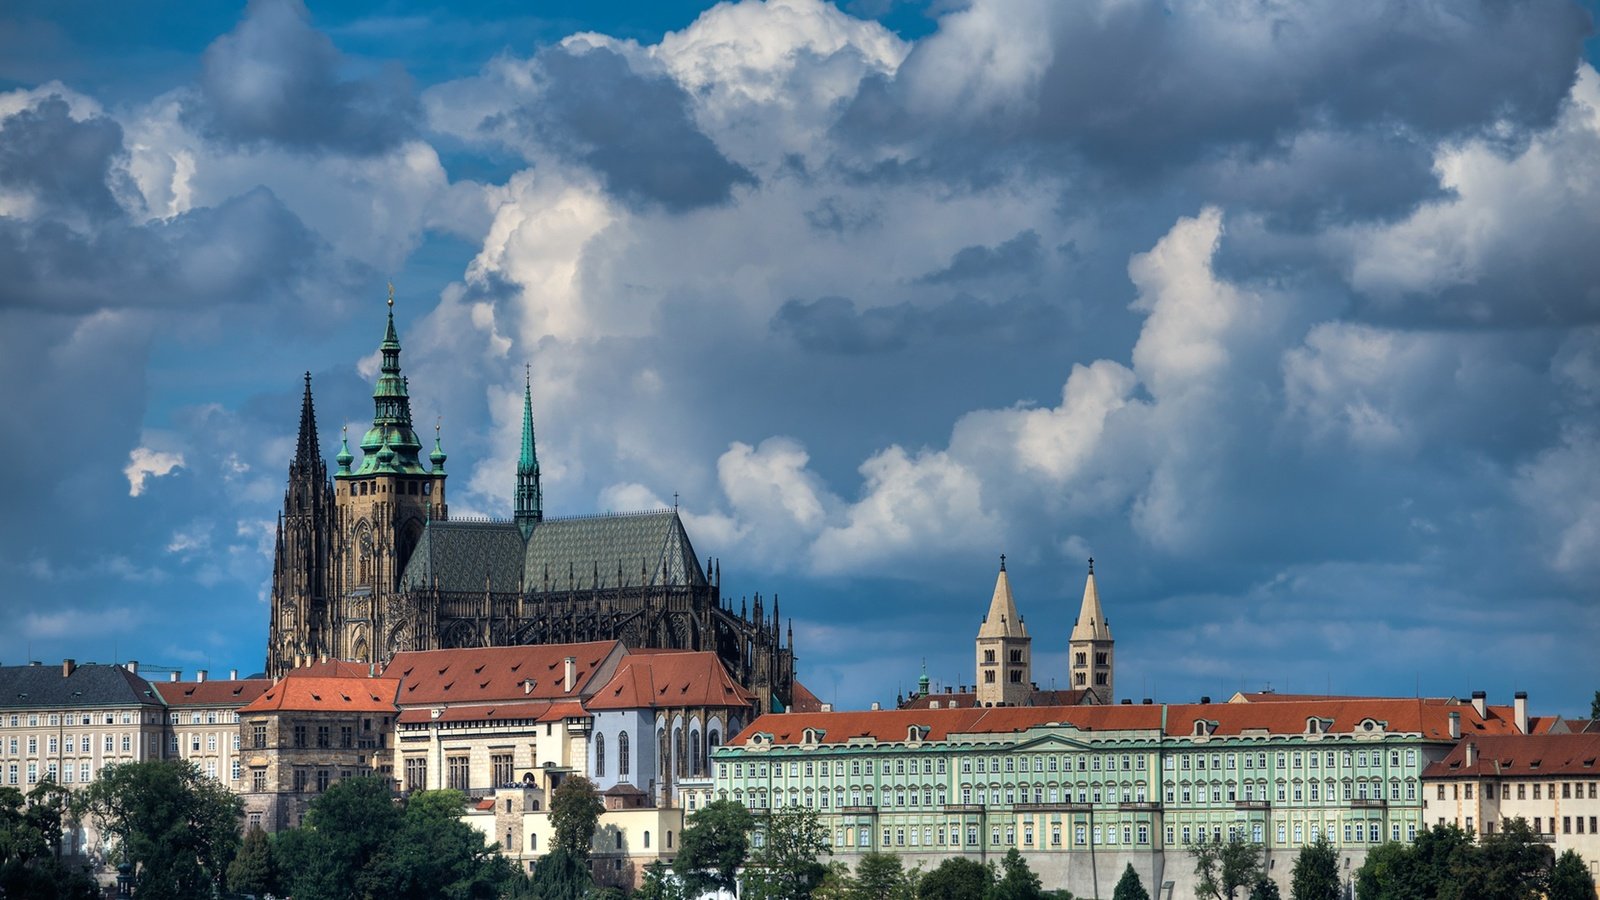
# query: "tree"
435,854
713,847
1511,864
1316,872
785,865
881,876
560,876
1387,873
575,810
1264,889
660,884
1570,879
957,878
30,845
178,828
340,849
1594,706
1129,887
253,870
837,883
1222,868
1017,881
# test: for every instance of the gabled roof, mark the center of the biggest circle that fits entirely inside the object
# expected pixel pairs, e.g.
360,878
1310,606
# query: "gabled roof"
332,668
231,694
1406,716
627,550
646,680
91,684
480,675
1509,755
466,556
801,700
1002,620
313,693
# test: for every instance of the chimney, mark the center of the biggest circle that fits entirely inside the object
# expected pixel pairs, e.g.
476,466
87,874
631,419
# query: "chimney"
572,674
233,674
174,675
1480,703
1472,754
132,667
200,675
1147,702
1127,701
827,707
67,665
527,685
1520,709
1455,725
875,706
1205,701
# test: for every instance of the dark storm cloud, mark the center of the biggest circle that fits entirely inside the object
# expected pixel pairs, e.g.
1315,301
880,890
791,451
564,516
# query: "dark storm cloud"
1136,88
835,325
248,248
1019,255
277,80
634,130
64,164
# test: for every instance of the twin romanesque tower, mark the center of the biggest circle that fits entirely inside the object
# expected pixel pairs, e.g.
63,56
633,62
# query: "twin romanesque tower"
1004,662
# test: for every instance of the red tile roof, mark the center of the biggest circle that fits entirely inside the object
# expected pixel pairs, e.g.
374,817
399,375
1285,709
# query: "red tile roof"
333,668
310,693
1508,755
536,710
801,700
656,680
211,693
487,674
1409,716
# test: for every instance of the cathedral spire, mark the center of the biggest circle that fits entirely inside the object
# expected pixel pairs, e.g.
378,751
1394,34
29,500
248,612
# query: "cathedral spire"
391,446
530,495
306,449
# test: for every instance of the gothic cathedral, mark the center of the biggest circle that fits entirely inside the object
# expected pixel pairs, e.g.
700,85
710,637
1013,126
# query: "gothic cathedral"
368,564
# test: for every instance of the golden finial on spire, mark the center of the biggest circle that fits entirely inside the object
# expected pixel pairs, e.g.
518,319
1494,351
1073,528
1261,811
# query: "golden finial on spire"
436,423
391,295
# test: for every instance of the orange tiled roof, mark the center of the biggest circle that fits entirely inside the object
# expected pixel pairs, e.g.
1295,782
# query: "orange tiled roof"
333,668
536,710
1507,755
802,700
950,699
310,693
211,693
484,674
655,680
1410,716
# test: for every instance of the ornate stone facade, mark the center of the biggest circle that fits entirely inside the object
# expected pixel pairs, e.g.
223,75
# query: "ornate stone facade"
368,564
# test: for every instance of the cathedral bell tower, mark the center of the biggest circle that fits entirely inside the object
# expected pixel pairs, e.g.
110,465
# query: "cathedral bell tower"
1005,671
302,623
1091,646
382,507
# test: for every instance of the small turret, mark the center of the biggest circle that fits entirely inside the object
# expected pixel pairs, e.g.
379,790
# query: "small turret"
344,458
437,457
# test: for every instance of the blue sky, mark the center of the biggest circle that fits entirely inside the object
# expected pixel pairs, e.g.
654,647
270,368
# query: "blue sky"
1286,313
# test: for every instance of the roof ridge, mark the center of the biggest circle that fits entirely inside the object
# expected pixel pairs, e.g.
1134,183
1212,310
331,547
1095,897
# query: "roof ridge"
634,514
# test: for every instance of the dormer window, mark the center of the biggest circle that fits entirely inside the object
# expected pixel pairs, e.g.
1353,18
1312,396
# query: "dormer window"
1315,725
1203,728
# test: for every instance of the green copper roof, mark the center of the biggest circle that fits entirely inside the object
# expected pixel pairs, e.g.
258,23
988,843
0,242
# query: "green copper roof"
390,447
345,457
437,457
530,494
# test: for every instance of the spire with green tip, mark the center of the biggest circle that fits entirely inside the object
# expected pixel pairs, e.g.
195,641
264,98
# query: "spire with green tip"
922,683
345,457
530,496
437,457
390,447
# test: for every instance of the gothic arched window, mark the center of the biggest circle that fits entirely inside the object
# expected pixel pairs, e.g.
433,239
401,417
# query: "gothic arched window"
599,756
622,754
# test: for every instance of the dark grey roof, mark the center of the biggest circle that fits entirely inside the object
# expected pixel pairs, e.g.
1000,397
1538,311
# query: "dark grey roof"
462,555
91,684
650,548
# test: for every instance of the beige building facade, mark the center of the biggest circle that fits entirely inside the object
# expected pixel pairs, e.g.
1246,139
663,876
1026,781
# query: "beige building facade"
203,721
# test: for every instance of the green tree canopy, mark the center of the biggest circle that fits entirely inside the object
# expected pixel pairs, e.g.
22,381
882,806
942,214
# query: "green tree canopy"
1129,887
1017,881
1388,873
1511,864
436,855
30,843
787,866
660,884
254,870
560,876
178,828
575,810
1221,869
1570,879
714,846
882,876
1316,872
1264,889
340,850
957,878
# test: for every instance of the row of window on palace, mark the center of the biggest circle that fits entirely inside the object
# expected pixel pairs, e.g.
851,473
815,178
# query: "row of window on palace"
458,772
1114,834
54,720
1085,762
1570,790
301,737
1540,825
927,795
